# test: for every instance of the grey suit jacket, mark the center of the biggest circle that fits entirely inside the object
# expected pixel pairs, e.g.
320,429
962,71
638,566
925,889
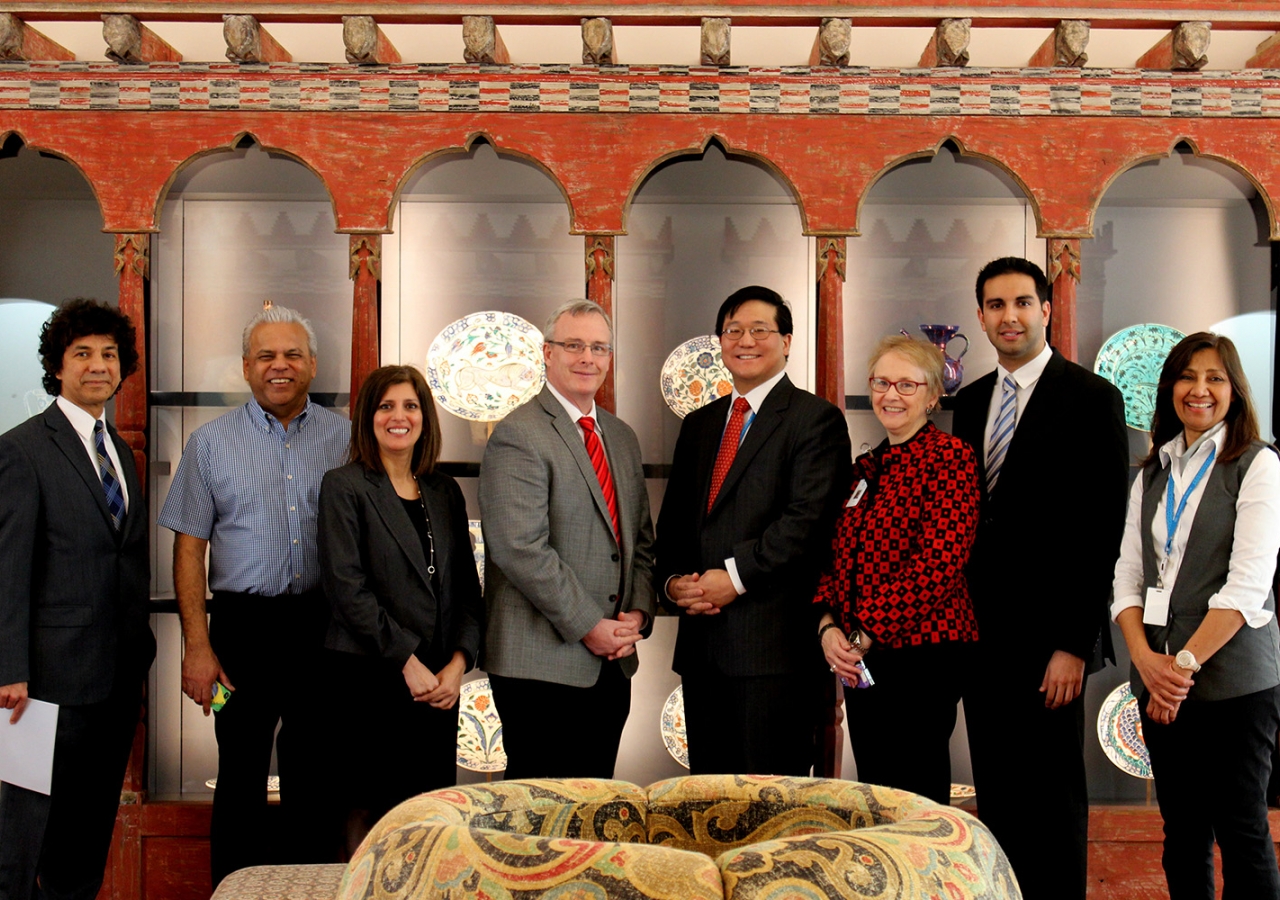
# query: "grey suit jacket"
74,591
553,568
374,570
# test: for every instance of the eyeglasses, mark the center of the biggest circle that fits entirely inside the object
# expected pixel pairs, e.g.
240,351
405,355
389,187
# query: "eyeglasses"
757,332
904,387
576,347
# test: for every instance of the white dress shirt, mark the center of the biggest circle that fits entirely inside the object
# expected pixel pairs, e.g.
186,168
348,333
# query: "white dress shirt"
755,398
82,422
1025,376
1257,532
574,413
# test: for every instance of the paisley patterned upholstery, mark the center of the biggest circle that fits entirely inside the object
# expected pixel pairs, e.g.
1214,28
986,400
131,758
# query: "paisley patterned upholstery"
282,883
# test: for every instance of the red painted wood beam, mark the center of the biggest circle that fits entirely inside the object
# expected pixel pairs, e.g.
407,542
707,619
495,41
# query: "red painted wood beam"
19,41
133,270
1064,275
829,382
366,275
1267,55
600,278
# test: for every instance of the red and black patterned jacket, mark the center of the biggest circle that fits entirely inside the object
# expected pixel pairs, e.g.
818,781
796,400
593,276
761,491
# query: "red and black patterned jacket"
898,557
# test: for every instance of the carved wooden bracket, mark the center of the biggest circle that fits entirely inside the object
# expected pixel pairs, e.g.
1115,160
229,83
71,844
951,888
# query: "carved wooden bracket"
248,42
597,42
949,45
140,257
715,41
371,256
1065,47
1267,55
20,42
831,46
1064,257
1185,49
129,42
831,250
366,43
481,42
600,255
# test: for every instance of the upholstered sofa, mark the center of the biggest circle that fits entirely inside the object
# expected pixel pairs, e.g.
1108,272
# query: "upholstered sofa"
690,838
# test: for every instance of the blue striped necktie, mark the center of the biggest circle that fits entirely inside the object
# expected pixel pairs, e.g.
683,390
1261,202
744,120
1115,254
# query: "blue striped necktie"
110,480
1002,430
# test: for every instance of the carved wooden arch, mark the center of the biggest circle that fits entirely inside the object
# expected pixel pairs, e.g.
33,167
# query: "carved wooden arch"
65,157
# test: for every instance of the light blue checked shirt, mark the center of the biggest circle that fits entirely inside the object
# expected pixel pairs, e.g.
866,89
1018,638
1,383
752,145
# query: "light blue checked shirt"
252,490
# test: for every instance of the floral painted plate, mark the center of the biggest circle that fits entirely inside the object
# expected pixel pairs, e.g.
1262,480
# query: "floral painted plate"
1120,733
1131,359
673,733
484,365
694,375
479,729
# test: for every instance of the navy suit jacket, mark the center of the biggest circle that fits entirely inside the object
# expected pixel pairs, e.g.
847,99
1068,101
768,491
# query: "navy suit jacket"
74,591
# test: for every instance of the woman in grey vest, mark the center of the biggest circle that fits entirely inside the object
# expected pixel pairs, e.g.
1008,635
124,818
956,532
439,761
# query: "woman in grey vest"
1194,598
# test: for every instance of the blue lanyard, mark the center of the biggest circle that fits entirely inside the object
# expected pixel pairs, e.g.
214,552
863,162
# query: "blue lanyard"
1172,518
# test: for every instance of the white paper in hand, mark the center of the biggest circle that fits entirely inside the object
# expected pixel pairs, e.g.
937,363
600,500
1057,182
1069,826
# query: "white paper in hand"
26,749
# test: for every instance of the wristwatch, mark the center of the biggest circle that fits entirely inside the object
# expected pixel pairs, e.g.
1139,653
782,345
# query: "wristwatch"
1186,660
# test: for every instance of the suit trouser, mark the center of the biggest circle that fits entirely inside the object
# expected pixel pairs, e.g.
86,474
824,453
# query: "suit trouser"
536,748
1211,766
1028,768
64,837
755,725
270,649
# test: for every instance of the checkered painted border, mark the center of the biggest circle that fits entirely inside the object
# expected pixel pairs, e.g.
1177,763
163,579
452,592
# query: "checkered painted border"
1252,93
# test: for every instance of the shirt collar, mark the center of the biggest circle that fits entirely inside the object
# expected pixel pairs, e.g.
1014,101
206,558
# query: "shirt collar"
572,408
756,395
1178,449
1027,375
80,420
259,414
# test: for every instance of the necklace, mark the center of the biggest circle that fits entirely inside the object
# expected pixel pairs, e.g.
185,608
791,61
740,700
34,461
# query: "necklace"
431,539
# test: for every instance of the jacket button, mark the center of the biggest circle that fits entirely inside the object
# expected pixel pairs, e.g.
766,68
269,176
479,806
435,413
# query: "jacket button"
615,557
613,598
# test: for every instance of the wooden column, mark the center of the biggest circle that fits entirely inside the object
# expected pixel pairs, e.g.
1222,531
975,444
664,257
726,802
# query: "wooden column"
1064,277
133,271
366,272
599,262
829,383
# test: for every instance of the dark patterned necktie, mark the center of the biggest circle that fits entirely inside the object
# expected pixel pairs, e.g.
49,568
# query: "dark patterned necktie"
595,450
728,448
110,480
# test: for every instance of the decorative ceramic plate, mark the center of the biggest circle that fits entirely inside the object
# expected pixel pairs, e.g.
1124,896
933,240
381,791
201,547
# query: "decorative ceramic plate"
477,534
484,365
1120,733
1131,359
963,791
673,734
694,375
479,729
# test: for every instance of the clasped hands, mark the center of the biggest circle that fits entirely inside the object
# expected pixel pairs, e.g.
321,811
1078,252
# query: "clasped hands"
702,595
616,638
439,689
1166,684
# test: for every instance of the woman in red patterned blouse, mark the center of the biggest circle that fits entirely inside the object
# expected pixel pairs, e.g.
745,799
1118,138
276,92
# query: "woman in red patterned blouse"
895,592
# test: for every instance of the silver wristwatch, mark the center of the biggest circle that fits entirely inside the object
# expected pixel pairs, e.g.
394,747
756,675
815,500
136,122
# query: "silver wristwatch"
1186,660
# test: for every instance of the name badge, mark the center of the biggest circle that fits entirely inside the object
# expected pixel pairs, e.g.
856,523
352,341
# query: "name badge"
857,494
1156,610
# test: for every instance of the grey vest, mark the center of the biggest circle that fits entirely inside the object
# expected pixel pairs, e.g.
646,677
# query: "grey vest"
1250,661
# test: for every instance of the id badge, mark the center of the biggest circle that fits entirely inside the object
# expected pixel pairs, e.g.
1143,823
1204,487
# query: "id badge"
858,492
1156,609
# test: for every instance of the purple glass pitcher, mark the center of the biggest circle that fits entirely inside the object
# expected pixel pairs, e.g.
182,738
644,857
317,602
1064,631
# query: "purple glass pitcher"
940,336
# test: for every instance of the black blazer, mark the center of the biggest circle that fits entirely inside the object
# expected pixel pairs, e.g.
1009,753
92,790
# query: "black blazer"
374,569
774,515
1042,565
74,592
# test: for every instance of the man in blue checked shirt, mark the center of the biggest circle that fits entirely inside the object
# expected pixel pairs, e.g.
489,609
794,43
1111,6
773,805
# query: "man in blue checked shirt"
246,491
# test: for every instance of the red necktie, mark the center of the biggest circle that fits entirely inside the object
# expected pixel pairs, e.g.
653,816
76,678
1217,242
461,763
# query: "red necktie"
595,450
728,448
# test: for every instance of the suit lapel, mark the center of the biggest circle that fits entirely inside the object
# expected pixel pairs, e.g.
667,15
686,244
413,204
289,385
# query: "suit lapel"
568,430
1039,411
72,447
386,501
766,422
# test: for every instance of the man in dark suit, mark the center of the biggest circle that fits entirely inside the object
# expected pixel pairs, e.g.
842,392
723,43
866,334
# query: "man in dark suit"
74,587
569,554
1053,452
756,482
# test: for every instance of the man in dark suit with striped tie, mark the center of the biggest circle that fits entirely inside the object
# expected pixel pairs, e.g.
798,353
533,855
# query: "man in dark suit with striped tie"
1053,450
74,588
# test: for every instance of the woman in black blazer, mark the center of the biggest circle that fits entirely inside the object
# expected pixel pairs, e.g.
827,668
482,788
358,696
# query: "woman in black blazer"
400,576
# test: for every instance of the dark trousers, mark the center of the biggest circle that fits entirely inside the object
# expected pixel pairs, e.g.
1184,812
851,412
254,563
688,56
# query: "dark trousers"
536,745
1211,767
900,727
763,725
270,649
64,837
1028,768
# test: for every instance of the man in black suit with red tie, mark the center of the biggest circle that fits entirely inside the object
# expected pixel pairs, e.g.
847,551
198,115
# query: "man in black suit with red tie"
756,482
74,589
1053,456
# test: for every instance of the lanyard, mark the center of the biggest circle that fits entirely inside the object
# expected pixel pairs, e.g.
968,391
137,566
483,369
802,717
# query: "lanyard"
1172,518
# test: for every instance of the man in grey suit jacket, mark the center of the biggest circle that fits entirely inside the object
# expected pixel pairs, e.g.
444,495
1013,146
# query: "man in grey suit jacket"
569,553
74,589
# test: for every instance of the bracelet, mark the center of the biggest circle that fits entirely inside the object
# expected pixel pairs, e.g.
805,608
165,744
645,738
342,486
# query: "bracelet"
823,630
